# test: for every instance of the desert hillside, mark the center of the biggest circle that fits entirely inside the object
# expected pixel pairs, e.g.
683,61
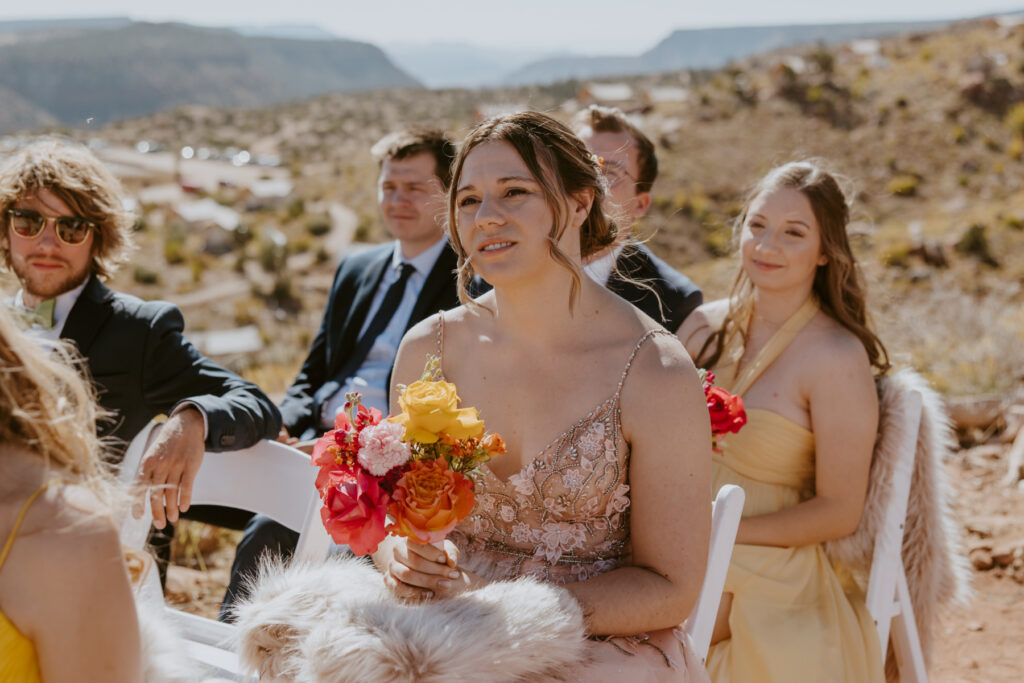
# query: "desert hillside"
84,74
927,128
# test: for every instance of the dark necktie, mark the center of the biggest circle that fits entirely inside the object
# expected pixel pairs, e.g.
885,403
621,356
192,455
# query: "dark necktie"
392,298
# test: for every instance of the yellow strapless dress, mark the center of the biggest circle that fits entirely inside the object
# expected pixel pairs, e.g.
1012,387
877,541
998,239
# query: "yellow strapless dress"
18,660
18,663
794,616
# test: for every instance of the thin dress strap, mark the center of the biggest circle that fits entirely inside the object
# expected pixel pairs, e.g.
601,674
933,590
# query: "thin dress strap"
778,343
636,349
440,342
18,520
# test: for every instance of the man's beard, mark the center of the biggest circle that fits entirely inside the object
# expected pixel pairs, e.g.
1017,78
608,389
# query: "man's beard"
46,287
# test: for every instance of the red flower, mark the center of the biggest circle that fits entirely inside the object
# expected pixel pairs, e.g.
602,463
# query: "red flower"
726,410
354,509
340,446
366,417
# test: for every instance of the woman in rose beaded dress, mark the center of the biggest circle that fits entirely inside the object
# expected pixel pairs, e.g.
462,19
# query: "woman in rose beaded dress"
605,486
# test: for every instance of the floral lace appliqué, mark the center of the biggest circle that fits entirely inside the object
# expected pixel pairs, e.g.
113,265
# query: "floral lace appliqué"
565,515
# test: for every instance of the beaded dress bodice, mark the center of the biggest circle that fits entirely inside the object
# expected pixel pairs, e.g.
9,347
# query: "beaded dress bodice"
565,515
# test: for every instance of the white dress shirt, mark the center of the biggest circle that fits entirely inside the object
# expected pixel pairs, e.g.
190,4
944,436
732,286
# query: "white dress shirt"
371,379
601,269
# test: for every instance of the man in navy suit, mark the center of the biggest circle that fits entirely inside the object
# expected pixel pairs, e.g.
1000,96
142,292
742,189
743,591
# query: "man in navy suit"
376,297
64,229
633,271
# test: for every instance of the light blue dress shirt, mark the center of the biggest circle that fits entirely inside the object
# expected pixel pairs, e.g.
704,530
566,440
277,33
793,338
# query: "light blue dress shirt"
371,380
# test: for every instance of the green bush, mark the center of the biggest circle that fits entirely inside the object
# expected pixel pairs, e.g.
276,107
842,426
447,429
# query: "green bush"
295,208
973,242
317,226
1015,119
174,250
718,241
897,256
145,276
903,185
1016,148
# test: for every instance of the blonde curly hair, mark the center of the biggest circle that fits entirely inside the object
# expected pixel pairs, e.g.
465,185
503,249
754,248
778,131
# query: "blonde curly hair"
47,408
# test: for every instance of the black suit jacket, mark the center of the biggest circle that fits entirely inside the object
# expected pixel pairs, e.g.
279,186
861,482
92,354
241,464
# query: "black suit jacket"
677,294
142,366
355,283
673,297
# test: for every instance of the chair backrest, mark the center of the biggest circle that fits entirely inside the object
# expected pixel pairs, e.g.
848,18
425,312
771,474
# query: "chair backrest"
269,478
887,558
726,511
888,596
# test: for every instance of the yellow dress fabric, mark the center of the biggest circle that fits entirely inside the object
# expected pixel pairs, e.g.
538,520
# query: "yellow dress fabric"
794,616
19,663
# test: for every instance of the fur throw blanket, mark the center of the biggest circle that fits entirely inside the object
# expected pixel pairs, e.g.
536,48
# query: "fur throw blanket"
162,649
337,621
938,574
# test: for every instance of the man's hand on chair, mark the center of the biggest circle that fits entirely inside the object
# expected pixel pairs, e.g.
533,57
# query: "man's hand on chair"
169,467
284,437
289,440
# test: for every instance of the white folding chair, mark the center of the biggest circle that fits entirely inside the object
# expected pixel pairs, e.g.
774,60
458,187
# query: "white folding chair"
269,478
888,598
726,511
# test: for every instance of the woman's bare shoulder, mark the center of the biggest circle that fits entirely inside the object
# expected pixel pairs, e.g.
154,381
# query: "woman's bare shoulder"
67,525
661,364
702,322
829,352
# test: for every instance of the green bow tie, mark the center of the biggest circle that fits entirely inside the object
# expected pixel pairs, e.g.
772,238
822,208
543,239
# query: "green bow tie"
41,315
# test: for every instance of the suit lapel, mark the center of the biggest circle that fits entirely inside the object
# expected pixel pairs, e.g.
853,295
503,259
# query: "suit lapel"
88,315
441,276
348,333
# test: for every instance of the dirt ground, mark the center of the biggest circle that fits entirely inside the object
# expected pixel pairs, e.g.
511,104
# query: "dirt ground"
981,643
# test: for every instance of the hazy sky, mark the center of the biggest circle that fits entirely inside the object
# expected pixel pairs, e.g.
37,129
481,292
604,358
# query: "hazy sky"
587,26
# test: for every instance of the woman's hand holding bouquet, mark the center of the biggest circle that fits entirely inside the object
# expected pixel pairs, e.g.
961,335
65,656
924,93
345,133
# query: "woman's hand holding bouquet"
415,468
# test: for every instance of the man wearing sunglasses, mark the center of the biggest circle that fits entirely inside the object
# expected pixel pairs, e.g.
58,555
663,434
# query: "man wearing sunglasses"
64,229
631,270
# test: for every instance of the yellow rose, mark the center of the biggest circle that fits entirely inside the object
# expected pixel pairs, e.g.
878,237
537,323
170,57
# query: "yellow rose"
432,408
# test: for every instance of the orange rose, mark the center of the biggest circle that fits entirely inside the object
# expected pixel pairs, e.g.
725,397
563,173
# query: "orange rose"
493,444
429,500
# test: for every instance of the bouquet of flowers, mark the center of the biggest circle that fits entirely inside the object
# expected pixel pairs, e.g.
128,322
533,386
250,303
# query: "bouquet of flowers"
415,467
727,412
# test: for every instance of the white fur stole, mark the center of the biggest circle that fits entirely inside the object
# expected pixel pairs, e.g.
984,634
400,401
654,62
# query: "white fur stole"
337,621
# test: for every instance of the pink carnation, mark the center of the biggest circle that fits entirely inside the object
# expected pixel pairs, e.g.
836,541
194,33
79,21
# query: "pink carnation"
381,448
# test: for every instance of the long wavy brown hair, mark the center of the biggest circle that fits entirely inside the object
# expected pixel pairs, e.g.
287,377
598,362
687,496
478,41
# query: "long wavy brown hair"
562,165
838,283
48,409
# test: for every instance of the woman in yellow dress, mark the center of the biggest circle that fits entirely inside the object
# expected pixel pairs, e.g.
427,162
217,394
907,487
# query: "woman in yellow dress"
794,342
66,607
